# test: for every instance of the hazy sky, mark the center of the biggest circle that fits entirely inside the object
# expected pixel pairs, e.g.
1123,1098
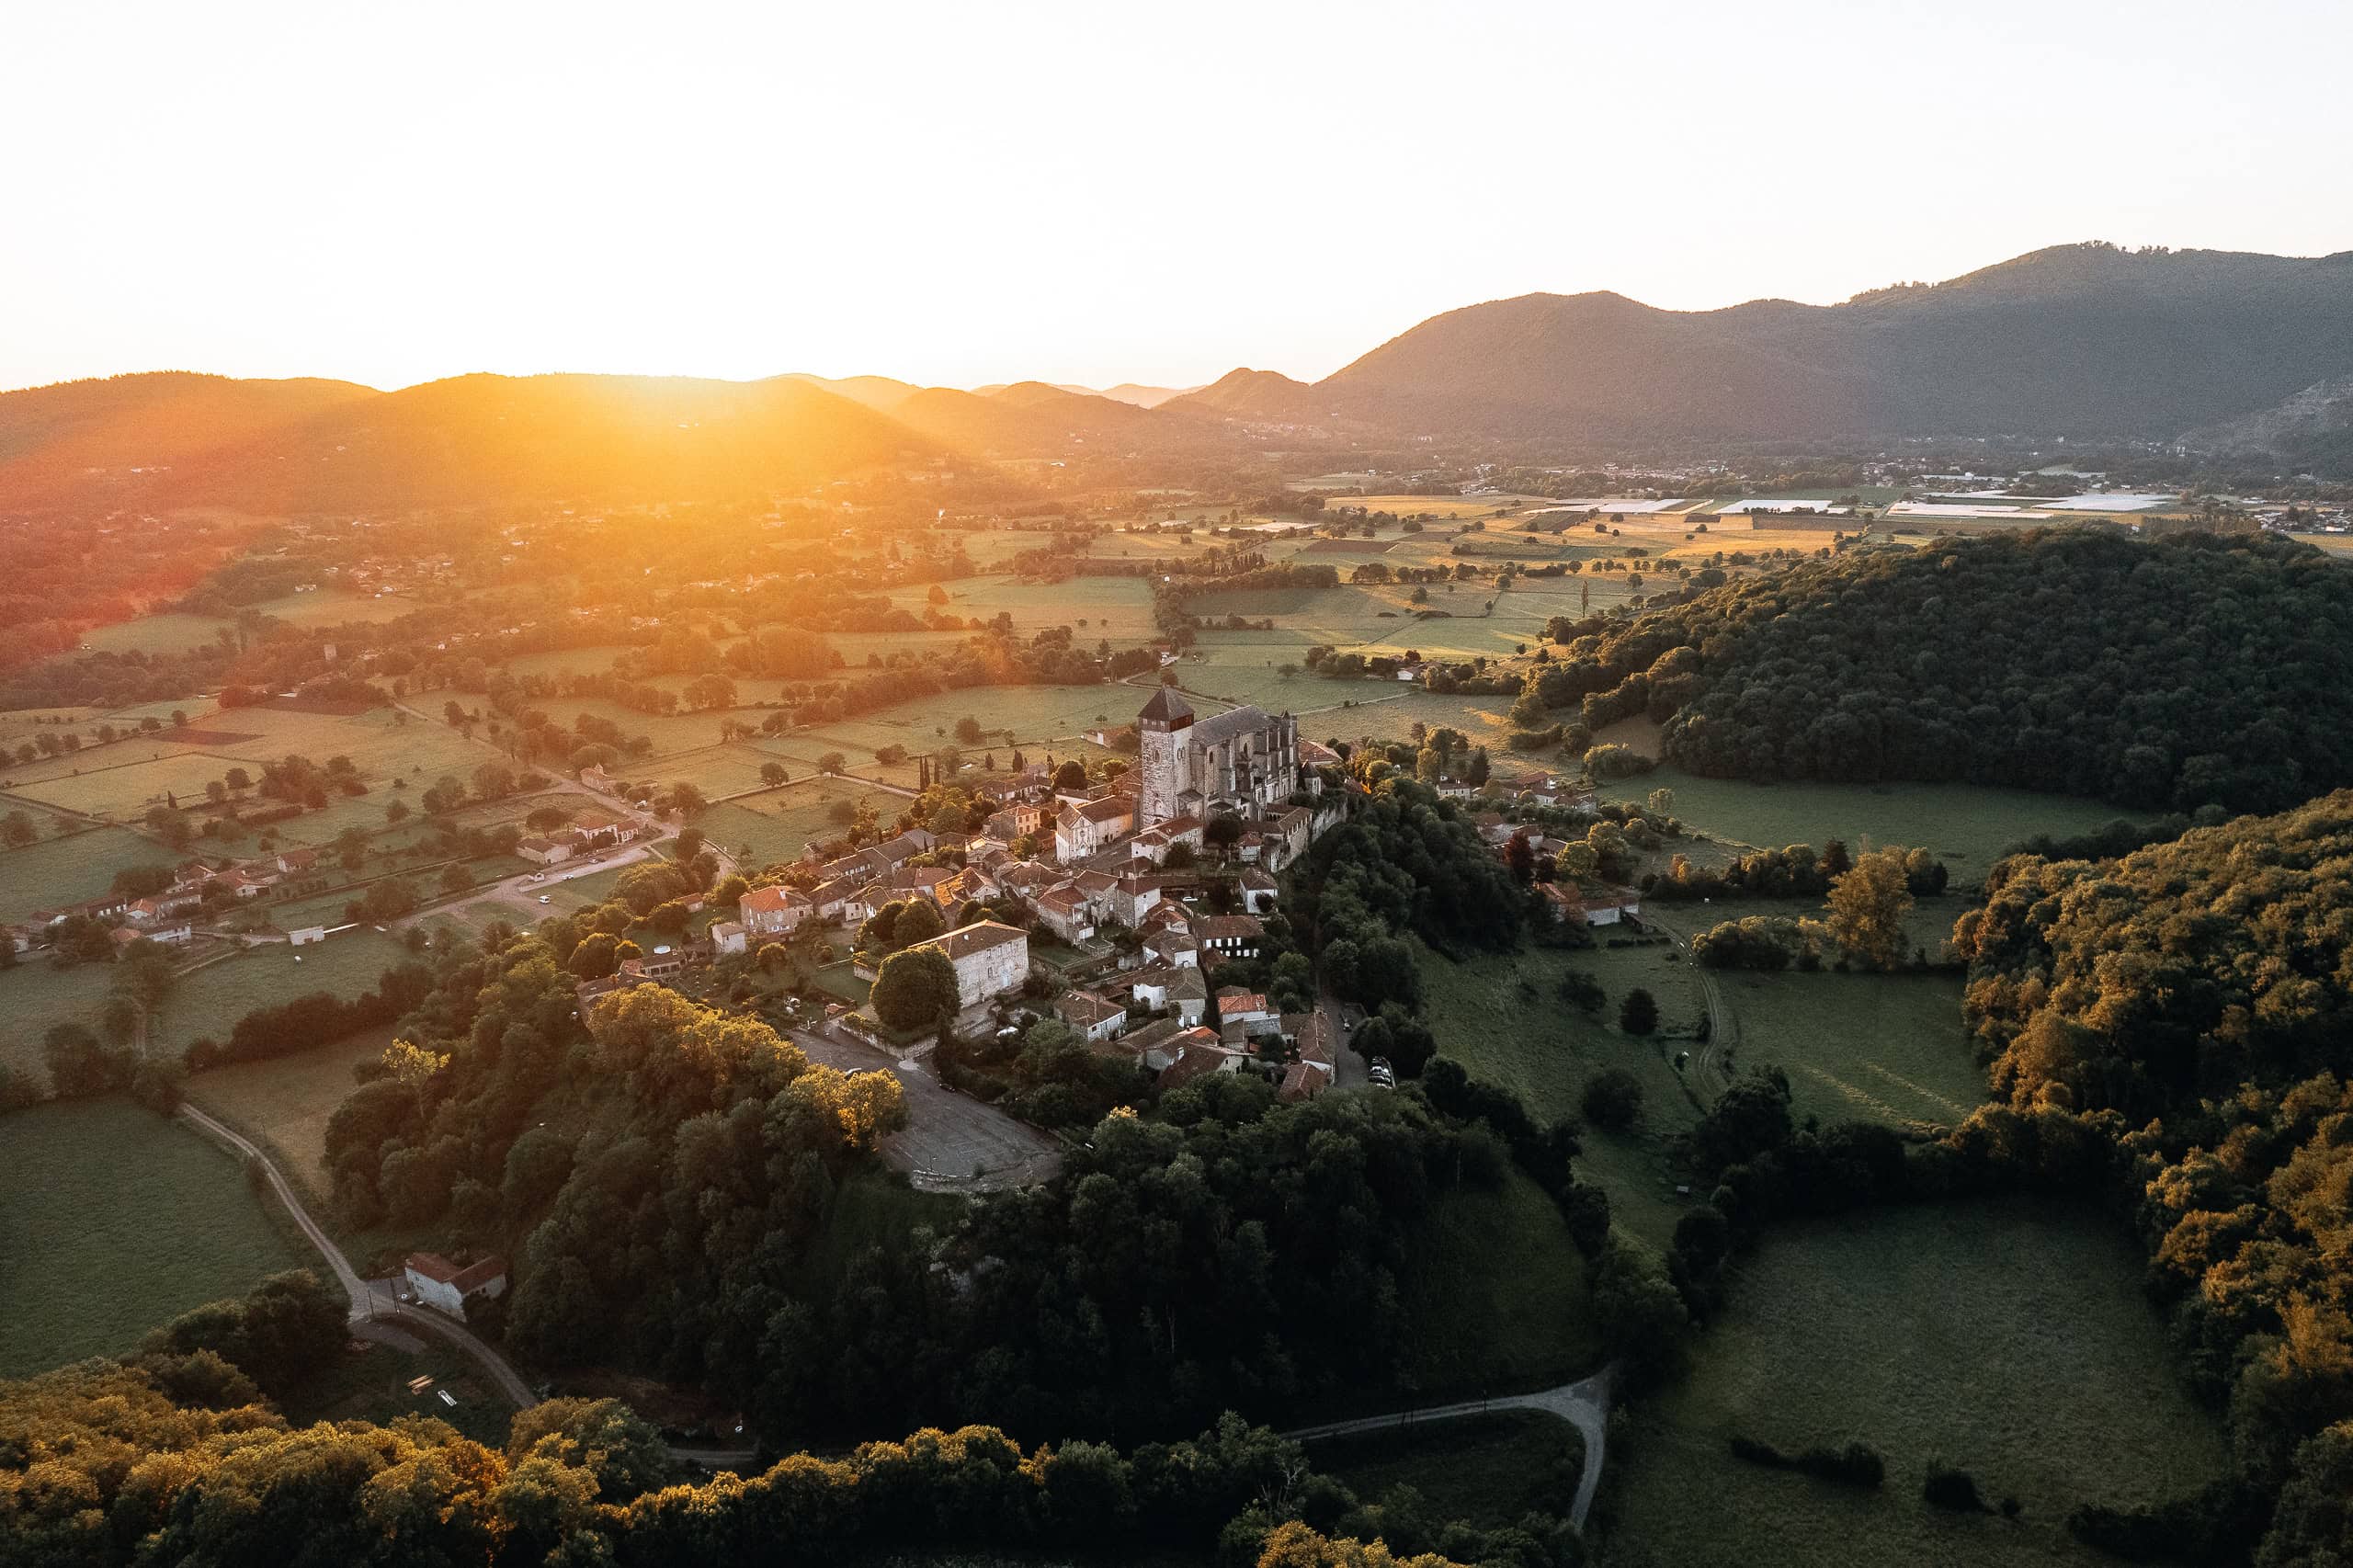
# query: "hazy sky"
973,192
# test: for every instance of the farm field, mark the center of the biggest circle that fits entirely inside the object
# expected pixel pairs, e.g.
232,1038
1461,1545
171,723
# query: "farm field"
1116,607
1546,1052
112,1222
1859,1047
1966,825
1888,1327
284,1102
211,1001
1490,1469
164,634
778,824
66,870
35,998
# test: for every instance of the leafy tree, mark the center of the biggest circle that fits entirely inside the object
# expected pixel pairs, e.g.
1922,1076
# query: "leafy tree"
1612,1099
1866,908
1638,1014
915,986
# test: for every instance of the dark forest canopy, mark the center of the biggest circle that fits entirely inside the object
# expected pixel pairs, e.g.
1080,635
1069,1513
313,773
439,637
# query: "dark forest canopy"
2186,672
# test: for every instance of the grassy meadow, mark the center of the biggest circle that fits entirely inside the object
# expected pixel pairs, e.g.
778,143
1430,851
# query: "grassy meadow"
283,1104
113,1220
1966,825
2009,1339
53,871
1546,1052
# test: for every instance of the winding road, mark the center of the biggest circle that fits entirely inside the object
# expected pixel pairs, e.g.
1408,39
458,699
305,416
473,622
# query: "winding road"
1585,1406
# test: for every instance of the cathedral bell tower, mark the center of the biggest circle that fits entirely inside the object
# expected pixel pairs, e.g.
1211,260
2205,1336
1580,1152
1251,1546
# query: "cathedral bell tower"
1163,729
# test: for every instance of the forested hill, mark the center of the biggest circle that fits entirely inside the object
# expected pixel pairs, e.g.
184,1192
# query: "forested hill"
2181,672
2188,1003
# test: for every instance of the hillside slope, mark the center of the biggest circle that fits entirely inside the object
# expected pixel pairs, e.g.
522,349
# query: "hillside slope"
485,439
77,438
2085,340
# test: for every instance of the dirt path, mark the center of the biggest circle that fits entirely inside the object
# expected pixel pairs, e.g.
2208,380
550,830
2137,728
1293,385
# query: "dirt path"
1585,1406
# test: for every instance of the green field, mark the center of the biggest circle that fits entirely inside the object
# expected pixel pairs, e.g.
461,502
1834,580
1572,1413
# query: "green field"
1495,1295
66,870
1966,825
780,824
1489,1470
2011,1340
1545,1052
113,1220
167,633
1859,1047
284,1102
1116,607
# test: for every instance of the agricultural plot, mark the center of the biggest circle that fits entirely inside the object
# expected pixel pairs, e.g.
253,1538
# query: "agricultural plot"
1116,607
778,824
2009,1340
1886,1048
335,610
55,871
212,1000
1966,825
284,1102
167,633
35,998
1546,1052
112,1222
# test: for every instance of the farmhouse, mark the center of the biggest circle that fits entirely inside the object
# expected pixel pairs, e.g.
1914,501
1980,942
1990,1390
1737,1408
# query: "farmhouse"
544,851
440,1283
990,960
728,937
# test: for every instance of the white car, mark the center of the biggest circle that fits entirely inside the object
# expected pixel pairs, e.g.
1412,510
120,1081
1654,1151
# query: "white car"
543,898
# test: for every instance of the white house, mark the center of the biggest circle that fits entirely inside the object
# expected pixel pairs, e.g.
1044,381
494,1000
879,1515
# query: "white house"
1083,829
440,1283
990,960
728,938
1091,1015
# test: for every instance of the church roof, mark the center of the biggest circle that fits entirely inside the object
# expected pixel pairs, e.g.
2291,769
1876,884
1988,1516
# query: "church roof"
1167,706
1243,720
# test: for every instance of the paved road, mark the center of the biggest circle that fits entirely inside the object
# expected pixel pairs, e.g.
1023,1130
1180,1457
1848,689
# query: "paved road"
952,1142
1585,1406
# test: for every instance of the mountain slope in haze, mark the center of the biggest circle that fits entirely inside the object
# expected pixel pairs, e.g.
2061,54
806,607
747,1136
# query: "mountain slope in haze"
1253,396
76,438
485,439
2312,426
2084,340
881,393
1126,391
1034,419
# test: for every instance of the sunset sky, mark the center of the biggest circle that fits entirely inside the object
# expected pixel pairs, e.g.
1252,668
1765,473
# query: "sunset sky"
968,193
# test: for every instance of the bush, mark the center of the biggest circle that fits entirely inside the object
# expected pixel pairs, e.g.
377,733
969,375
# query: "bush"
1612,1099
1947,1487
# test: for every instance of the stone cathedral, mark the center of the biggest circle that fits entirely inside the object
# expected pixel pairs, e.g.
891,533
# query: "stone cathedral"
1244,760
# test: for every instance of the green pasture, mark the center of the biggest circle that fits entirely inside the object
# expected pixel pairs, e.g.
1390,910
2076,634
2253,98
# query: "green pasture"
112,1222
284,1102
1546,1052
52,871
2009,1340
1966,825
